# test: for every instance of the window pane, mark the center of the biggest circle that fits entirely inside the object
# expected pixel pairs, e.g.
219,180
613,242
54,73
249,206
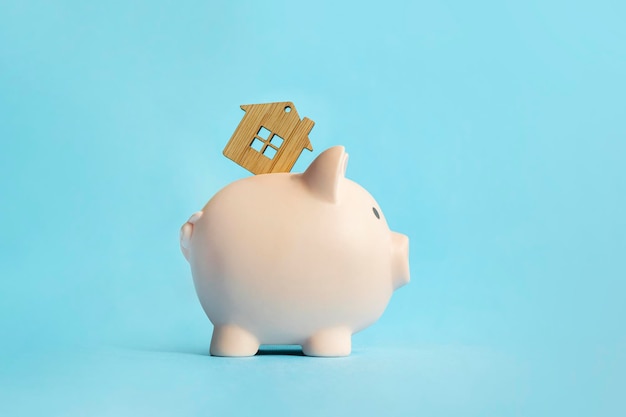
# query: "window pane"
269,152
257,145
276,140
264,133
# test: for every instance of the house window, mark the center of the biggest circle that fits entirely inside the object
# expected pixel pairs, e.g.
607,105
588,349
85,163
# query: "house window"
266,142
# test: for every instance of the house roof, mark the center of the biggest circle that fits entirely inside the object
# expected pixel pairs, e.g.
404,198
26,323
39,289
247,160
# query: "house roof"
287,107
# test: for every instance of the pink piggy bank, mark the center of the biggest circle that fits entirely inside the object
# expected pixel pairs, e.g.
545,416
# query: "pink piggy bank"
304,259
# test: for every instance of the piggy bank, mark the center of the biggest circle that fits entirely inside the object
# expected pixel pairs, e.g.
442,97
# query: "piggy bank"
301,259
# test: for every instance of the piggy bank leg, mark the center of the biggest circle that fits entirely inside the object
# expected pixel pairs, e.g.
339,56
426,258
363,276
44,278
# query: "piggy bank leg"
231,340
335,341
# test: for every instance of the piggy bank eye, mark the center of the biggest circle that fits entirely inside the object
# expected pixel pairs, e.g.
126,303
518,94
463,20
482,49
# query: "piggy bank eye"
376,212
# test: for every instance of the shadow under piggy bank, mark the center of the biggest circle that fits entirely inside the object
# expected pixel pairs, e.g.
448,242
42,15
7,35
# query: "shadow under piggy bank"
283,350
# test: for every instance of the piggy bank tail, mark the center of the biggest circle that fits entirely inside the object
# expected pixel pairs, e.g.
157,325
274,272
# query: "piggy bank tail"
186,231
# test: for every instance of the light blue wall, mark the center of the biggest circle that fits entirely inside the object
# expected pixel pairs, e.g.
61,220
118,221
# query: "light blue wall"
493,134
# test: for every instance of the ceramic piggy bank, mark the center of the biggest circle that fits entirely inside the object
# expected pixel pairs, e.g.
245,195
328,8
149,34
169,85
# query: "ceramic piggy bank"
304,259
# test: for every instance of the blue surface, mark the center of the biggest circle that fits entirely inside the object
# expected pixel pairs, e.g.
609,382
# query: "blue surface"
492,134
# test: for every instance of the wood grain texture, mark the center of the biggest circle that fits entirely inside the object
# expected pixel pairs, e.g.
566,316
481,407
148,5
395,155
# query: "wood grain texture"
279,147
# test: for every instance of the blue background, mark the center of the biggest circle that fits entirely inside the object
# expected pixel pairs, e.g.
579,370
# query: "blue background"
492,133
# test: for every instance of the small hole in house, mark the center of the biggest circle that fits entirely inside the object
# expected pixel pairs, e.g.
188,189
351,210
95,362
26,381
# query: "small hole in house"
269,152
276,140
287,109
257,145
263,133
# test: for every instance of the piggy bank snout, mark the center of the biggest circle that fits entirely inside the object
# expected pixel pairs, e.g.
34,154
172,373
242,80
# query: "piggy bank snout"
400,260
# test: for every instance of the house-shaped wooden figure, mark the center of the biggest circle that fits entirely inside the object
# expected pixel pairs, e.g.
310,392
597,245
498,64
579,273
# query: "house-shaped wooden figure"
269,138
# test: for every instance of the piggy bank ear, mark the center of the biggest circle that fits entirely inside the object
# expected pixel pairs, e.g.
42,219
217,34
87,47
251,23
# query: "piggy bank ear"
323,176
